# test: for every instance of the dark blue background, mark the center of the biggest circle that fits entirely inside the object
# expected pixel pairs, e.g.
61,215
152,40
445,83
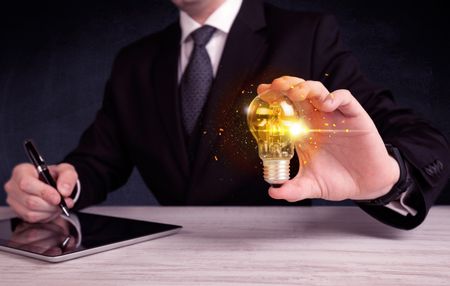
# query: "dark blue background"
55,57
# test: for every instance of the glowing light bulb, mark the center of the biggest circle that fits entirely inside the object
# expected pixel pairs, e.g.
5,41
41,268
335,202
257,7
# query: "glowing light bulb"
276,126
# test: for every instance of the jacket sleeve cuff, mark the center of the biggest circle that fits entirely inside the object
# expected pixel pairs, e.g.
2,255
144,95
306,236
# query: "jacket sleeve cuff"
77,192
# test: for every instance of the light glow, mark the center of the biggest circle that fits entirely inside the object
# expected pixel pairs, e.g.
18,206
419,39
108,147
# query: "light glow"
298,129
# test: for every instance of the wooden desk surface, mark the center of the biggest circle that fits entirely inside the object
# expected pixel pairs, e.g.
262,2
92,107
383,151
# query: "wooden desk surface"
254,246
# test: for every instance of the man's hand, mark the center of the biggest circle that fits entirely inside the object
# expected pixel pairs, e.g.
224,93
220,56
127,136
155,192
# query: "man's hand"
351,163
32,199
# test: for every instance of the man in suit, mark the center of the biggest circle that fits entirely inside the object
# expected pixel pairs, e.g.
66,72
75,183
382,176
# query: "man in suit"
174,107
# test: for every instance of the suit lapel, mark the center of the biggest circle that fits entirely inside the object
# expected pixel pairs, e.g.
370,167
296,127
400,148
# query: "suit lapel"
237,63
166,92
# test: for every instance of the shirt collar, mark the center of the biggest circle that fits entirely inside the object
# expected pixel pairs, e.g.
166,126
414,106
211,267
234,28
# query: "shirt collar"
221,19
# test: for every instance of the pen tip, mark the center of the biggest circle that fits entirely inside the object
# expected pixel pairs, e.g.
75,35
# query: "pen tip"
65,211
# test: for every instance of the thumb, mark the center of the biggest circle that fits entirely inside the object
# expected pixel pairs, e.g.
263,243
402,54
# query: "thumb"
66,178
296,189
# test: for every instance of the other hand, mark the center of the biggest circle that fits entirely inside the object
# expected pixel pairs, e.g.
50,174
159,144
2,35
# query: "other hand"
351,163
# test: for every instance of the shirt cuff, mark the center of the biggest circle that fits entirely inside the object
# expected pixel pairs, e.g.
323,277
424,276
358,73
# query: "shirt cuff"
77,192
399,205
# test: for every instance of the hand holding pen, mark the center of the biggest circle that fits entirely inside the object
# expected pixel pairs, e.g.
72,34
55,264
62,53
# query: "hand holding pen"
44,172
35,200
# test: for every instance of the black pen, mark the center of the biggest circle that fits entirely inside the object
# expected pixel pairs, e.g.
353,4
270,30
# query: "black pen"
43,171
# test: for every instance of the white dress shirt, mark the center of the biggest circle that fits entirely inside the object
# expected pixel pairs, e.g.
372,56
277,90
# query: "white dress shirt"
221,19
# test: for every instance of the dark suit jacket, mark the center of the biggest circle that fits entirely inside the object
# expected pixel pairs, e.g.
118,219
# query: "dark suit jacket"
139,123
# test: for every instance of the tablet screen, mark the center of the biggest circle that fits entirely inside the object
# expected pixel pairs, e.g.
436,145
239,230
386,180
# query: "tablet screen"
79,235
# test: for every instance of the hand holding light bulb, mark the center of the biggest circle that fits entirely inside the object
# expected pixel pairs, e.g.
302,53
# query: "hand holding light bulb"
349,161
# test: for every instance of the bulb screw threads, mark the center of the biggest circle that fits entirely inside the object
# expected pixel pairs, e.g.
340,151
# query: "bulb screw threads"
276,172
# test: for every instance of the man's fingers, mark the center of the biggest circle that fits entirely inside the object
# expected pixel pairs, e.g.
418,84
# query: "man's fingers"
30,186
35,187
285,83
299,90
69,202
24,170
343,100
26,179
32,202
262,88
312,90
296,189
35,200
26,214
279,84
324,100
66,178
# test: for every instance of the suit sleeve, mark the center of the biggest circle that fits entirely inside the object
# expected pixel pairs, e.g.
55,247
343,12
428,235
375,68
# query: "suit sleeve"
101,159
425,149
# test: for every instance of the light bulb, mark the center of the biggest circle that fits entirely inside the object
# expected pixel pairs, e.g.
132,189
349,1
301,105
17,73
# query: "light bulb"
276,126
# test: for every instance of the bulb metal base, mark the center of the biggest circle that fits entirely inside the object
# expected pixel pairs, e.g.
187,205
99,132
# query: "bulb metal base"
276,172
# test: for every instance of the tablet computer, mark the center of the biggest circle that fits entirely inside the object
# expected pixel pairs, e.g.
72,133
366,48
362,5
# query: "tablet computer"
79,235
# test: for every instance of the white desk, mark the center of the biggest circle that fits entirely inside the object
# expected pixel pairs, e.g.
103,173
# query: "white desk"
254,246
